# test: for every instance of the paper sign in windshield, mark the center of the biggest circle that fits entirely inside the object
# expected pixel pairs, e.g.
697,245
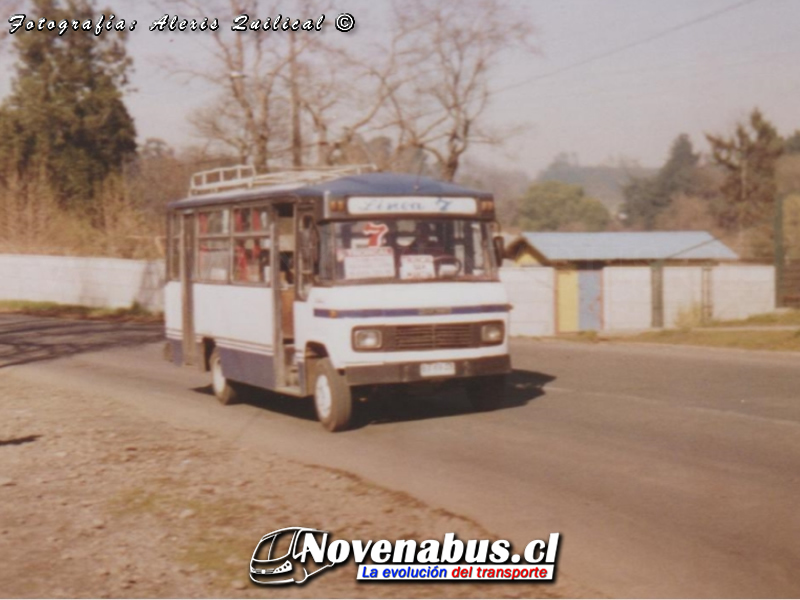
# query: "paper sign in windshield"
417,266
376,233
368,263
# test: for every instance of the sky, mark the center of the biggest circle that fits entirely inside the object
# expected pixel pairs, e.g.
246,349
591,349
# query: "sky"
612,79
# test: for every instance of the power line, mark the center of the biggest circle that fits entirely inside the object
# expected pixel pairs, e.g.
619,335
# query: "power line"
628,46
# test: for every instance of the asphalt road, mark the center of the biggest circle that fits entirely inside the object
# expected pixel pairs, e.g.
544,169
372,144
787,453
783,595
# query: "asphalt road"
669,471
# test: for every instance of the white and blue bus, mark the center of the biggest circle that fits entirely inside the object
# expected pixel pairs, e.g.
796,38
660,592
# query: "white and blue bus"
332,284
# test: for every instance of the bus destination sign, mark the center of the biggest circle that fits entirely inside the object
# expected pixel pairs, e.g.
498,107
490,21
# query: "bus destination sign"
384,205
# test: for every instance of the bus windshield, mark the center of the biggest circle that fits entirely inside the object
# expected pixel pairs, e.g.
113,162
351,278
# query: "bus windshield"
406,250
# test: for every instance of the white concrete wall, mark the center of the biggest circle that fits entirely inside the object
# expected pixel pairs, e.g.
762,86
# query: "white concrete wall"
98,282
683,292
627,298
739,291
530,291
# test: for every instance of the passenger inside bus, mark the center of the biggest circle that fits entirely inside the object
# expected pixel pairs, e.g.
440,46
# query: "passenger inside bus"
240,262
287,267
251,261
264,265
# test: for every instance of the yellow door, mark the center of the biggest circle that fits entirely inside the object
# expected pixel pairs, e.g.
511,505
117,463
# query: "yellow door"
567,295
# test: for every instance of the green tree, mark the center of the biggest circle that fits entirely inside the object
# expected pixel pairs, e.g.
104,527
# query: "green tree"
647,197
157,177
554,206
792,144
749,159
65,117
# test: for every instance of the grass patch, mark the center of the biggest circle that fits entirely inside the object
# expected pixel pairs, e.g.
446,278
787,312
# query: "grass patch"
214,539
583,336
135,313
745,340
689,317
138,501
789,318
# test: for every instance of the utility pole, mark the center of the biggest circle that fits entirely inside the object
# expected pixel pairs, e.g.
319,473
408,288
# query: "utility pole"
657,302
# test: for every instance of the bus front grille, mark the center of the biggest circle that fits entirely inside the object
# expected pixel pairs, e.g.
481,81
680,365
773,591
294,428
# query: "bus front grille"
434,337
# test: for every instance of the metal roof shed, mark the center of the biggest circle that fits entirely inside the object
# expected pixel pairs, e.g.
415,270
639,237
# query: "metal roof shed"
580,259
625,247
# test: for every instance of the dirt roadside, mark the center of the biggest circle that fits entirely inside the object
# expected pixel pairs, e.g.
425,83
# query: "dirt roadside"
99,501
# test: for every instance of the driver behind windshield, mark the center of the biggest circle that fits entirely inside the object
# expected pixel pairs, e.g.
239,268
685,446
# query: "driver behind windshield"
425,241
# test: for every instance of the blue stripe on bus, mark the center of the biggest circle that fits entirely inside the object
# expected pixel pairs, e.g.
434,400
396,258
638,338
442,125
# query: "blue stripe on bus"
409,312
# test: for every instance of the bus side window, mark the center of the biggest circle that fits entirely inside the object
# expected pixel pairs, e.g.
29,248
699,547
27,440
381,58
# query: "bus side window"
286,258
251,260
264,262
213,246
213,259
252,248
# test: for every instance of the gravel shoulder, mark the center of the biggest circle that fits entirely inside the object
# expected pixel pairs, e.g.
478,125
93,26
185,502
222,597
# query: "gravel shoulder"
101,501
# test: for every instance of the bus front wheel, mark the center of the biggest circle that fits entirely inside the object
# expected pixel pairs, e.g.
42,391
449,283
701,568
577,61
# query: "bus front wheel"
333,399
224,390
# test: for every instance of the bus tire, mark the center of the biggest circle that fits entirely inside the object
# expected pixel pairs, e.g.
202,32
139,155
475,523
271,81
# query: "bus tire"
224,390
333,399
487,393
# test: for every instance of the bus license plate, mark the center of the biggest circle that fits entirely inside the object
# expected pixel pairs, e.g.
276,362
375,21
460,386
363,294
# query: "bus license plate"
437,369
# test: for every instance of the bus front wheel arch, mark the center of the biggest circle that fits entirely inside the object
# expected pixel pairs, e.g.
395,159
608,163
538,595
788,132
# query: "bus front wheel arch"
207,347
333,398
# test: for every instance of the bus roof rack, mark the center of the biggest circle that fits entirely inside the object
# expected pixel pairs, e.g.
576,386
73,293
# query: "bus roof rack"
244,176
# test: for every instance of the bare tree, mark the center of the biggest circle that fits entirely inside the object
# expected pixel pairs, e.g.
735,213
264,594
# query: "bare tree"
422,93
381,71
451,48
249,69
265,77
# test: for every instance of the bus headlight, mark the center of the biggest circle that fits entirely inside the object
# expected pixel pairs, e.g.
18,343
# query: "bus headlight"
492,333
367,339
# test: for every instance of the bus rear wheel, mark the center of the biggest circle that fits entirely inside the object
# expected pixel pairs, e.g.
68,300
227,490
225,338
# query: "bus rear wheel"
487,393
333,399
224,390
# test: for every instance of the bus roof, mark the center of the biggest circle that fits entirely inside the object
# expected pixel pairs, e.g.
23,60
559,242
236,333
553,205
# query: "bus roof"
367,184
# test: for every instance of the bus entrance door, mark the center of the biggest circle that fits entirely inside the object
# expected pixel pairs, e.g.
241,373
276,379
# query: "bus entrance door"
284,294
295,224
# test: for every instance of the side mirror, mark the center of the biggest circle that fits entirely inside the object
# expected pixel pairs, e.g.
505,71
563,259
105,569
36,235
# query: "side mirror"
499,249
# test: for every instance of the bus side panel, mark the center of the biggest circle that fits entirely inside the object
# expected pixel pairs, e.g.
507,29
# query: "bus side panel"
239,320
248,367
173,319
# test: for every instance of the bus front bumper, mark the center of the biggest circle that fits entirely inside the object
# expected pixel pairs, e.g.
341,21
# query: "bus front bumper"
410,372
